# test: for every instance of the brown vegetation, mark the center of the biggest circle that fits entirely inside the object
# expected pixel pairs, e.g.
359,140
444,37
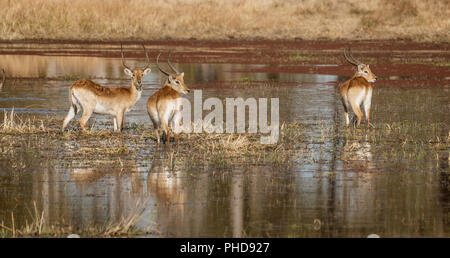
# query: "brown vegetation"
39,227
419,20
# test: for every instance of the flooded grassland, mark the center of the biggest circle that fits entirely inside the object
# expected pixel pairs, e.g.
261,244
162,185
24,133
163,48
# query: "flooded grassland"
321,179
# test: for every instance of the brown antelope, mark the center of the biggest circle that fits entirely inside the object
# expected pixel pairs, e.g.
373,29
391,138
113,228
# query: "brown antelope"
3,78
357,90
163,106
94,98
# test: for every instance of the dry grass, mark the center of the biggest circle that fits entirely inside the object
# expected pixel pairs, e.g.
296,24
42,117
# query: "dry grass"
226,151
14,124
419,20
39,227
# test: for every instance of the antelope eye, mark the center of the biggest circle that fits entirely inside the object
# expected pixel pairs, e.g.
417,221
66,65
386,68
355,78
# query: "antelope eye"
177,82
366,71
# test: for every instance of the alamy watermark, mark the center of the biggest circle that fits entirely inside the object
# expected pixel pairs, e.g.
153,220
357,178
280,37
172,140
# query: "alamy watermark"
234,121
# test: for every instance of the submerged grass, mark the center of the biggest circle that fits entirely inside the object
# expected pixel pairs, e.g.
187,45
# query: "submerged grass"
420,20
406,145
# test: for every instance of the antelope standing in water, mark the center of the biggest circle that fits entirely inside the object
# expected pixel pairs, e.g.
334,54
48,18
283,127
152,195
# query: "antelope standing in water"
3,79
163,106
357,90
94,98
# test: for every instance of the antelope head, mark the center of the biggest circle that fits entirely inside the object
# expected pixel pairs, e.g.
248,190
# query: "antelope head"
136,74
363,70
3,78
176,79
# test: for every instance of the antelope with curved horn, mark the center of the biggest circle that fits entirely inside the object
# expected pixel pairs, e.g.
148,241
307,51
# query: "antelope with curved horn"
94,98
357,90
3,78
163,106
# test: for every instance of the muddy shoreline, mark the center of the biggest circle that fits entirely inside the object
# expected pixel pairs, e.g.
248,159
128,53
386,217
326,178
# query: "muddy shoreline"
235,48
422,61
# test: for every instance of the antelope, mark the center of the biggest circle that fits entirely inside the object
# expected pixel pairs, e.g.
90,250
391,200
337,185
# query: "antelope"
163,106
94,98
357,90
3,78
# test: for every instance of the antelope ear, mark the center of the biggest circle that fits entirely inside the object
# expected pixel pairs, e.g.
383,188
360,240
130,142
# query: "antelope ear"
146,71
128,72
170,78
182,74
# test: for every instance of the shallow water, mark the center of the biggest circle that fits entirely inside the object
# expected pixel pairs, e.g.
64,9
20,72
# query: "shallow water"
391,182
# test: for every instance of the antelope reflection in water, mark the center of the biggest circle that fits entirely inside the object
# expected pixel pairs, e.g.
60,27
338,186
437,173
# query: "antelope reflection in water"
165,182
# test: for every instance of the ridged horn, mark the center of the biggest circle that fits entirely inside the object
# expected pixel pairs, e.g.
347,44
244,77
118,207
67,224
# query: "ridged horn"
159,67
350,58
123,61
170,64
148,59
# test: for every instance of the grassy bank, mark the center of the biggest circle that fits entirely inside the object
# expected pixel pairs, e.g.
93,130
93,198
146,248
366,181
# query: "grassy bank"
418,20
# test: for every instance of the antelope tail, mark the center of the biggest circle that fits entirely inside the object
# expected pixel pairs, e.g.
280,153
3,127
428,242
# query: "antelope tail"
73,100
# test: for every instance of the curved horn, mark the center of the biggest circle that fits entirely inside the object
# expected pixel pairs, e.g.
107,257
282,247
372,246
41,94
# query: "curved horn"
4,78
170,64
354,59
123,61
350,58
148,59
157,64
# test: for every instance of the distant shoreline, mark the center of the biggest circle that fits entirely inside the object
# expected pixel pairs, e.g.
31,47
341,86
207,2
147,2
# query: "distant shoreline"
125,40
394,58
173,41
